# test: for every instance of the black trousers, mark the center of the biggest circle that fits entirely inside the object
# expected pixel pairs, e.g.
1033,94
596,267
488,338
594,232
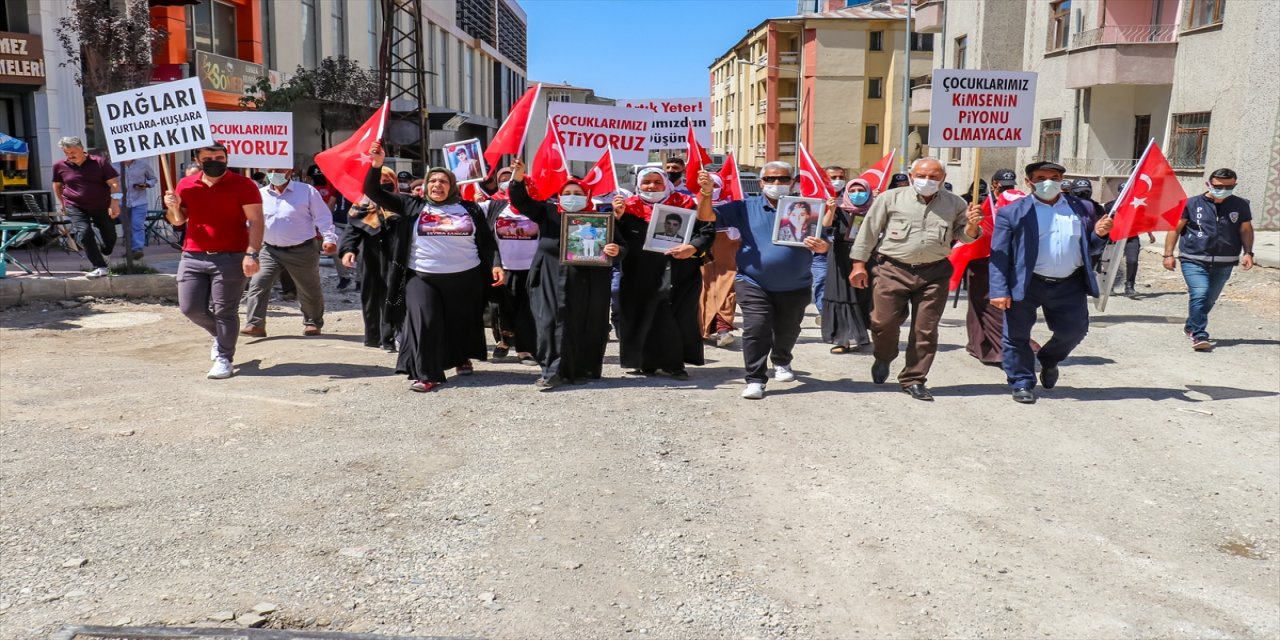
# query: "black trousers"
770,326
83,222
1065,306
1132,248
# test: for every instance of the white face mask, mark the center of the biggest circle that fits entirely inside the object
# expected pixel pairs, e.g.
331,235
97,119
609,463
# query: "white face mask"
504,185
715,194
573,203
653,197
277,179
1221,194
839,184
775,191
925,186
1048,189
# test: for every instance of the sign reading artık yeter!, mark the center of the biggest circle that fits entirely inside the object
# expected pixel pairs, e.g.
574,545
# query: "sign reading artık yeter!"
156,119
670,119
255,140
586,130
21,58
982,108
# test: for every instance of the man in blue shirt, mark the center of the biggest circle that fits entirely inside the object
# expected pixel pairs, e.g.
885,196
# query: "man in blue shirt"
1215,229
773,283
1040,260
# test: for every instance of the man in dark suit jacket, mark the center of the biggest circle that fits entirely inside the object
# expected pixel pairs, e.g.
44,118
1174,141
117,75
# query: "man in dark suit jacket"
1040,259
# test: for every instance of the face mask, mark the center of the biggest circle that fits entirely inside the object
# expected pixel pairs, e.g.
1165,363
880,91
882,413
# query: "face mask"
839,184
715,194
1084,194
675,176
925,186
859,198
213,168
775,191
573,203
277,179
504,185
1222,193
388,187
653,197
1047,189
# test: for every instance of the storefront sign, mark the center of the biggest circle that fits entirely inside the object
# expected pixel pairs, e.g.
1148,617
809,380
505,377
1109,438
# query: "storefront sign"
226,75
156,119
586,130
21,58
255,140
982,108
670,119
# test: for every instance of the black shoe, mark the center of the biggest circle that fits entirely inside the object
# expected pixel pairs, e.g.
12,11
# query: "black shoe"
919,392
137,254
1129,290
879,372
679,374
343,283
1024,396
500,352
1049,376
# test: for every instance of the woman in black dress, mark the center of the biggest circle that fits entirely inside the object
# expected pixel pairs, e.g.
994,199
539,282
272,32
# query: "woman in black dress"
509,310
441,259
846,310
368,242
570,303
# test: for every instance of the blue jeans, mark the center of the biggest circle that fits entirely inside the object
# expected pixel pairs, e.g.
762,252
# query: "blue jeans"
819,269
138,223
1204,285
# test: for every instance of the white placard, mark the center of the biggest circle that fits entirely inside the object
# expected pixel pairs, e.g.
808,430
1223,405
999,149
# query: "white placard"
586,130
156,119
669,227
255,140
670,118
982,108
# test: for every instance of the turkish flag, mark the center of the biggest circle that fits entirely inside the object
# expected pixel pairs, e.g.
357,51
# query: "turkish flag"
732,189
514,130
346,163
602,178
695,159
1152,200
814,182
878,175
963,254
550,170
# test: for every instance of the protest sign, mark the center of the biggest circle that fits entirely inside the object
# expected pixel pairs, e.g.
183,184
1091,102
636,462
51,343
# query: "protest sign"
156,119
982,108
586,130
670,119
255,140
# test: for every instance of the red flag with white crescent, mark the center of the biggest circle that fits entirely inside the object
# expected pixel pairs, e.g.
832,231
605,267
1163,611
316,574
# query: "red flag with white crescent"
879,173
514,130
1152,200
550,170
346,163
962,253
814,182
696,159
732,189
602,178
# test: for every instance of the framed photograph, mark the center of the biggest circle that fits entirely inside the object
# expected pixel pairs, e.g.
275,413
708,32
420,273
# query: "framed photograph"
465,160
669,227
583,237
797,218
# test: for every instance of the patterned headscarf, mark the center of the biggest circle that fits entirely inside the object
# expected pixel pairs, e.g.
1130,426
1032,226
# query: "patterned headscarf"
454,196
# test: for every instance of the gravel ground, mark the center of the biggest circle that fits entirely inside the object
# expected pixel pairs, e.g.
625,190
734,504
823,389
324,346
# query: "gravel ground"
1138,499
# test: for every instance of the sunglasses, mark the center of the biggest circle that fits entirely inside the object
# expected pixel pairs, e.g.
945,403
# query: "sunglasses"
775,179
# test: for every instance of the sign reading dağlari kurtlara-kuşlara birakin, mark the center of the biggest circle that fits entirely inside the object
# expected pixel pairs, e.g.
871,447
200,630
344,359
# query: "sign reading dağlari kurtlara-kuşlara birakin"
982,108
156,119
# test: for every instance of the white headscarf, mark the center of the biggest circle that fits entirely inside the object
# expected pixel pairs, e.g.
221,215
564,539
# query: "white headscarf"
667,187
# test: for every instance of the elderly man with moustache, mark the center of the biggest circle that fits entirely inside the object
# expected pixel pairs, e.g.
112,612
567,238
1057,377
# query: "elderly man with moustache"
906,238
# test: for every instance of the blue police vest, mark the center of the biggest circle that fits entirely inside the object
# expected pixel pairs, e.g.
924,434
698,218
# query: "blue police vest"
1212,232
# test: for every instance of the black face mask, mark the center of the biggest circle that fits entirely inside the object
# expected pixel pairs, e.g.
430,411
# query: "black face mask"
1084,194
675,176
388,187
213,168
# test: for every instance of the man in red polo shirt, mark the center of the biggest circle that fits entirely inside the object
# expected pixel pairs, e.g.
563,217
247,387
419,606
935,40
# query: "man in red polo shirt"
223,214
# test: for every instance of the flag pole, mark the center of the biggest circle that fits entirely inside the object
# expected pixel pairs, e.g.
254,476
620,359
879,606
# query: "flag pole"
977,172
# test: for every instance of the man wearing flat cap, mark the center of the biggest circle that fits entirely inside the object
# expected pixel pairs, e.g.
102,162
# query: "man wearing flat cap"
1040,260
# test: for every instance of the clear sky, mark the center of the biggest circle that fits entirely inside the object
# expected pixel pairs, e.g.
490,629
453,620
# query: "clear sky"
639,48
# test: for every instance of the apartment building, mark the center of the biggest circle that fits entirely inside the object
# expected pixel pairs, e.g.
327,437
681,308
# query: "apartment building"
832,77
1195,75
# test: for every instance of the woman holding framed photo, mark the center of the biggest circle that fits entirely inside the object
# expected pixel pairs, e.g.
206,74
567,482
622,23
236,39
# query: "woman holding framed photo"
442,256
568,284
846,311
660,291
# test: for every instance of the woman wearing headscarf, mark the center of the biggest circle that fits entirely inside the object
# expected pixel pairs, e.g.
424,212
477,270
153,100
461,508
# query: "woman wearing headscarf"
718,299
659,292
846,311
509,310
442,256
368,241
570,303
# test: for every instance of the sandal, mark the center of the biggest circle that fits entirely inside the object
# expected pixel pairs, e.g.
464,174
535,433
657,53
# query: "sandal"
423,386
465,369
841,349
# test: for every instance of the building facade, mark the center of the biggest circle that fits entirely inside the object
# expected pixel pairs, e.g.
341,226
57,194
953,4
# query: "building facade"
833,79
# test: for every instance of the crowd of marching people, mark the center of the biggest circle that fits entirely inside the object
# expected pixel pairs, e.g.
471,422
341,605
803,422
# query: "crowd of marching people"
431,263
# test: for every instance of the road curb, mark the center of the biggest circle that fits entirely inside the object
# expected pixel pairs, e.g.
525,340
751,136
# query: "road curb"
16,291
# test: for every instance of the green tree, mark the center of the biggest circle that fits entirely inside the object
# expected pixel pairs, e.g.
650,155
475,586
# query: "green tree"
343,92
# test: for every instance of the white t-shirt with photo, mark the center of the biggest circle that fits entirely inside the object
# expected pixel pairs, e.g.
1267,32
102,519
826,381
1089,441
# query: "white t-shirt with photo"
444,240
517,239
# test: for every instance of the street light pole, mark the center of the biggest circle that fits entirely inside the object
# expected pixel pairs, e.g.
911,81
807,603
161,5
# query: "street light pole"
906,91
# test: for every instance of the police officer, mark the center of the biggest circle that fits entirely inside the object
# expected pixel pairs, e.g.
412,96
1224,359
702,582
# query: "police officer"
1214,234
899,180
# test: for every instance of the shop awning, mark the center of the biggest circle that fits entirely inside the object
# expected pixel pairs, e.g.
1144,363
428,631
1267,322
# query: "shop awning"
12,145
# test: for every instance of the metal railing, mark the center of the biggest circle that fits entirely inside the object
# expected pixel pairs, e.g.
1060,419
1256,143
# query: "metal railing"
1100,166
1133,34
760,150
764,106
789,57
788,104
921,81
786,148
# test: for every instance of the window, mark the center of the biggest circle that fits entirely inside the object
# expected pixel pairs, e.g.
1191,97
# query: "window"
1141,134
871,135
1059,24
953,154
1202,13
962,52
468,83
338,12
432,78
877,41
1190,140
922,42
875,88
310,35
1050,139
211,26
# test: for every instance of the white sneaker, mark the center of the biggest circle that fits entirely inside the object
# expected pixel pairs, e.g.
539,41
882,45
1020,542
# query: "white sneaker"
783,373
724,339
220,370
754,391
96,273
213,352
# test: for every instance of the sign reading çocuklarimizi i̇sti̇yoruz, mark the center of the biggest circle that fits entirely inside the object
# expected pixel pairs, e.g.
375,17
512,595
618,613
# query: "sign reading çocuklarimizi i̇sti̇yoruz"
156,119
586,130
982,108
255,140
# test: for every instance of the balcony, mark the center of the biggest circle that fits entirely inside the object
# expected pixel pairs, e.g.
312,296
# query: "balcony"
1122,55
788,104
927,15
786,149
760,150
762,108
1100,166
790,58
921,98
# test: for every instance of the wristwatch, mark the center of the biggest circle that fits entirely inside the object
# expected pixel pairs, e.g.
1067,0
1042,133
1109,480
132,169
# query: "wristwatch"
1249,253
251,254
117,196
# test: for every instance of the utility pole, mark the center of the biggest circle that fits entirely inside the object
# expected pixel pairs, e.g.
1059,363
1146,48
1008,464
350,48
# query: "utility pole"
906,91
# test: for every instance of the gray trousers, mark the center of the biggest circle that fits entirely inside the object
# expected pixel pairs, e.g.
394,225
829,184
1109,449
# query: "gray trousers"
216,278
303,264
